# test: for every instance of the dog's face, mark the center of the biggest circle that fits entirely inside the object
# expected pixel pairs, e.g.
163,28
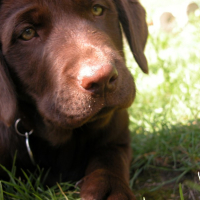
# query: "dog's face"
66,58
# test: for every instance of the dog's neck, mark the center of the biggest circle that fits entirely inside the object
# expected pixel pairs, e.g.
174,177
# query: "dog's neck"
43,129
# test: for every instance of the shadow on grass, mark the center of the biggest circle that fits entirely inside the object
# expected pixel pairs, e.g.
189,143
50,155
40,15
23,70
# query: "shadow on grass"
166,162
31,187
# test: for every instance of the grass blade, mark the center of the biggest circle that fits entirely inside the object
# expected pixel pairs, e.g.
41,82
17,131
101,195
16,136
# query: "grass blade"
62,191
181,191
1,191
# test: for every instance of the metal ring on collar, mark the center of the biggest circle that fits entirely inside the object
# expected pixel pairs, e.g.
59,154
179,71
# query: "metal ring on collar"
16,129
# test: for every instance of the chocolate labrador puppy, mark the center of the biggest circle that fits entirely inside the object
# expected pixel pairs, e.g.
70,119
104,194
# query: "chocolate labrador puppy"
64,90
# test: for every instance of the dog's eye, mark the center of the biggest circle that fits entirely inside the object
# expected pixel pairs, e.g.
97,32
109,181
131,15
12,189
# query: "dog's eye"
28,34
97,10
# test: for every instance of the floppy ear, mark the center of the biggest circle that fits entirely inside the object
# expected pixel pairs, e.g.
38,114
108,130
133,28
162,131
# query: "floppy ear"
8,102
133,19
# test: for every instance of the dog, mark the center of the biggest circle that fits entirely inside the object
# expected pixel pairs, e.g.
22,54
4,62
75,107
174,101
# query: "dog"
64,90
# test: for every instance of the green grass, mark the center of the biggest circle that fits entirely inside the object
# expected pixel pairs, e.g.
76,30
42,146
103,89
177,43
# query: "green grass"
32,188
164,124
165,118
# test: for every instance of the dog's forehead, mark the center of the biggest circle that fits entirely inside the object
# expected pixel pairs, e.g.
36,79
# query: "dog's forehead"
80,7
69,3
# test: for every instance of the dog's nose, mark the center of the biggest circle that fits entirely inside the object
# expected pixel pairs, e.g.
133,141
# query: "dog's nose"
98,79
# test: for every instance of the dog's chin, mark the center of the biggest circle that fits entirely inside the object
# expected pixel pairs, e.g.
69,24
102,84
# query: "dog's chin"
70,121
64,131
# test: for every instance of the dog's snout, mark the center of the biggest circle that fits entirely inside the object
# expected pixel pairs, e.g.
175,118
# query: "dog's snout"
98,79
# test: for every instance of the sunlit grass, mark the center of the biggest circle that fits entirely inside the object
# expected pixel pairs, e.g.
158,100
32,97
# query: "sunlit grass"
165,117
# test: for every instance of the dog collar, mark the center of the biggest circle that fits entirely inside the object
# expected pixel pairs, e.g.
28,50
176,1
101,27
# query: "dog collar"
26,135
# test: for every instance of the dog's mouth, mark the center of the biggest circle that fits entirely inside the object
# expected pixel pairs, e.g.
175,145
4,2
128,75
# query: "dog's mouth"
99,119
77,113
102,116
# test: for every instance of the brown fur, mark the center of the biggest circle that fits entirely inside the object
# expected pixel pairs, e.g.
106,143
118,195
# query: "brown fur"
69,83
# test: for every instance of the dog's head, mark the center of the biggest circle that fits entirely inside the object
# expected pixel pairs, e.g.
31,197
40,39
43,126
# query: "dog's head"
66,58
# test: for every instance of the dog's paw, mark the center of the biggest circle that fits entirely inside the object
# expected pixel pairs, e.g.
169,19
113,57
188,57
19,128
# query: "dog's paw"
103,185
